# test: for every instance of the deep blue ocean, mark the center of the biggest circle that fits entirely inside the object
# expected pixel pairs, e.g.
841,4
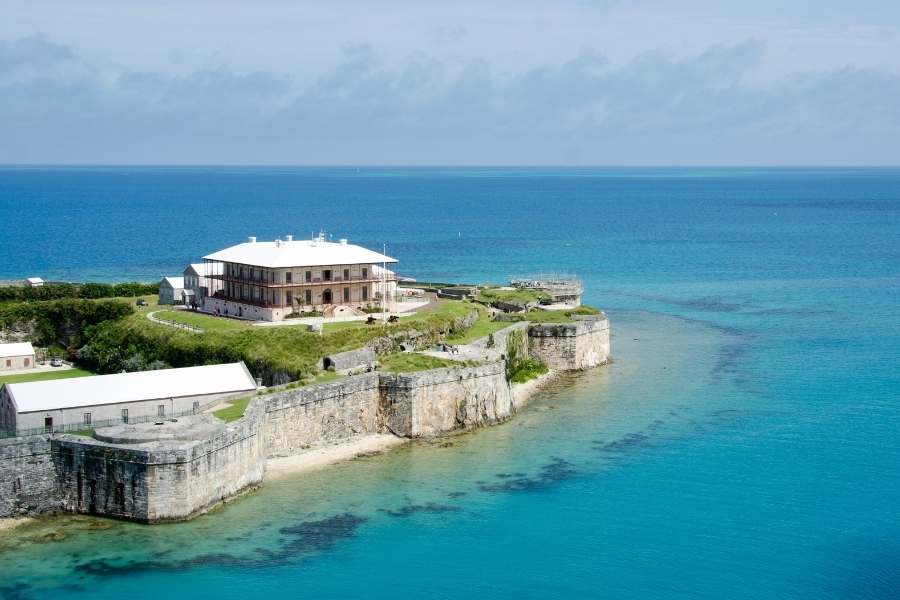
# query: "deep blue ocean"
744,443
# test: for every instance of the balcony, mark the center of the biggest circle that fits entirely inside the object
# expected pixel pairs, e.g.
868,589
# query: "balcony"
316,281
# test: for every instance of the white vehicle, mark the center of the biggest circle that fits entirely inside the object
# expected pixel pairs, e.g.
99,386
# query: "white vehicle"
56,362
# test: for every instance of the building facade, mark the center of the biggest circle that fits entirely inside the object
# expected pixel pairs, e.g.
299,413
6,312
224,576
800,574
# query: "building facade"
171,290
16,356
61,405
198,282
271,280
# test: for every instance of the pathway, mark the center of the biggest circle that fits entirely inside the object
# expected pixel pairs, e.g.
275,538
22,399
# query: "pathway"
192,328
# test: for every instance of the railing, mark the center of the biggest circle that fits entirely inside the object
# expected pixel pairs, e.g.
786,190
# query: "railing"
193,328
316,281
69,427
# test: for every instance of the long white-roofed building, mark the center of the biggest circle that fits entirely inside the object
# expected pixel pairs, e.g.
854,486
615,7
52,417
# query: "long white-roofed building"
141,396
268,281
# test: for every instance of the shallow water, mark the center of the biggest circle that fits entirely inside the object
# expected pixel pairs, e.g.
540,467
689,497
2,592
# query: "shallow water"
743,444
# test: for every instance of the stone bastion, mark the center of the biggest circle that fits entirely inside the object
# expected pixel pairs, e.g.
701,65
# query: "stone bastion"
172,471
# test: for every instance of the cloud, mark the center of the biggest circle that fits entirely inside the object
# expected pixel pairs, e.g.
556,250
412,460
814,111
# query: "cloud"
33,51
422,109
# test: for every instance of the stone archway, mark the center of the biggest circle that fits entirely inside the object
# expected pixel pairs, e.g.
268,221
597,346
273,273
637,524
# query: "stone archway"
326,296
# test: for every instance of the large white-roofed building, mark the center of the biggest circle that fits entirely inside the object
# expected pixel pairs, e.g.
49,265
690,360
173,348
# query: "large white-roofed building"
270,280
80,402
16,356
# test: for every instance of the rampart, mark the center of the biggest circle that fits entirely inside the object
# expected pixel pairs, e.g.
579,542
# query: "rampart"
169,480
570,346
432,402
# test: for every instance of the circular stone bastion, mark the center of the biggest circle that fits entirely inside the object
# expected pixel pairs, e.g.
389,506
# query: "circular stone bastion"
194,427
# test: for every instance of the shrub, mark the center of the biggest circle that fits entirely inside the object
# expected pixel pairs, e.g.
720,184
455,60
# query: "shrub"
527,369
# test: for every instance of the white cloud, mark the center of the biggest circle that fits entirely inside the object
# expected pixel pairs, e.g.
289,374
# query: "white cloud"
567,82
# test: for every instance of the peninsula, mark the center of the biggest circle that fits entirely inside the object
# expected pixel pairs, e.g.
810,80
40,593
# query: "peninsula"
270,356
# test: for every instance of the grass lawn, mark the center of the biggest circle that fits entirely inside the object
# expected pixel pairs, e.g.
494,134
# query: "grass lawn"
44,376
204,322
292,349
344,325
407,362
515,296
328,377
481,328
234,410
561,316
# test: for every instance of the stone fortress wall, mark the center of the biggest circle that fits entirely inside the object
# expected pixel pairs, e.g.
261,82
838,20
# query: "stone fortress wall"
573,346
175,480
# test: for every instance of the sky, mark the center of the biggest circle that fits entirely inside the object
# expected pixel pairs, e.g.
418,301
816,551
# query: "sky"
564,82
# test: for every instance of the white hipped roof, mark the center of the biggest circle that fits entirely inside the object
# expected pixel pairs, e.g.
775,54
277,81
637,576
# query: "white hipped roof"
298,253
34,280
100,390
16,349
176,282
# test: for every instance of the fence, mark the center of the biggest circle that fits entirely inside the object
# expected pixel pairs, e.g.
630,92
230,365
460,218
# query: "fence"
193,328
80,427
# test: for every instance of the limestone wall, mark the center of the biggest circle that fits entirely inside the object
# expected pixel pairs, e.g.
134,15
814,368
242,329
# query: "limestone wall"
303,417
501,336
27,477
160,481
570,346
441,400
163,481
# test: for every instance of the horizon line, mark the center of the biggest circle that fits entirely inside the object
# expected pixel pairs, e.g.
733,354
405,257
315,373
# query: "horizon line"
452,166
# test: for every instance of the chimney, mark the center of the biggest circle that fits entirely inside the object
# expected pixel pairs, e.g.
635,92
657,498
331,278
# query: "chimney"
343,241
251,239
289,238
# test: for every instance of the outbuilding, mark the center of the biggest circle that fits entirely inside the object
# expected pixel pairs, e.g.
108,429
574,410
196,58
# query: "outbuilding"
171,290
16,356
83,402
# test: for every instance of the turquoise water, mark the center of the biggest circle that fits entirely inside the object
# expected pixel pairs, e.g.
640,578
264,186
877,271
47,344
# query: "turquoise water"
744,443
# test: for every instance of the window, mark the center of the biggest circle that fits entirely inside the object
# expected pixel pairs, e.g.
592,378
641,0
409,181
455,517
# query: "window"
365,272
87,418
309,296
365,292
8,362
196,406
346,273
326,275
124,415
346,294
309,276
288,297
27,362
161,410
48,424
287,276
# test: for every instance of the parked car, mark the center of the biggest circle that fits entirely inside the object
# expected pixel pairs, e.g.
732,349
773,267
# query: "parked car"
141,302
56,362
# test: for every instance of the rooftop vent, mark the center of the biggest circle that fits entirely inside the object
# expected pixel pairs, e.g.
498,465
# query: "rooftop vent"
278,243
343,241
289,238
251,239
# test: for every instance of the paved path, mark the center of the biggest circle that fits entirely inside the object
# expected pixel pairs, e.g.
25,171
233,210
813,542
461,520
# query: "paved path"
192,328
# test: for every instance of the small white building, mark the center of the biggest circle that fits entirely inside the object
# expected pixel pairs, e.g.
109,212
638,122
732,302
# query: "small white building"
81,402
199,281
17,356
34,282
171,290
